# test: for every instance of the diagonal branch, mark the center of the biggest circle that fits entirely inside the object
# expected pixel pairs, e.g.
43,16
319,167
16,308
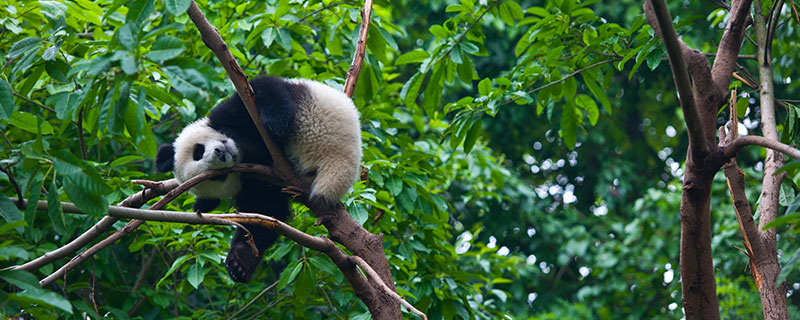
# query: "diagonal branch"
361,47
725,62
214,41
660,19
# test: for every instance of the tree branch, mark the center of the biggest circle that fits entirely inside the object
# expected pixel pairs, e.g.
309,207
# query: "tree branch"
741,142
659,18
361,47
136,200
731,41
213,41
322,244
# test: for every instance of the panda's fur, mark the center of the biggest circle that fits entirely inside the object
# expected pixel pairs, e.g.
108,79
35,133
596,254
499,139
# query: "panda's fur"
315,125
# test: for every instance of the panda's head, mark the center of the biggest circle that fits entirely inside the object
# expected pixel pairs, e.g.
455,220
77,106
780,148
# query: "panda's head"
199,148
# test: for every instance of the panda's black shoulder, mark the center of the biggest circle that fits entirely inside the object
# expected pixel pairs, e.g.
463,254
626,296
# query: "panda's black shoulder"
276,105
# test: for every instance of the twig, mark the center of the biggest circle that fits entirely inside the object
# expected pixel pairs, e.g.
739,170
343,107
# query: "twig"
13,182
361,47
574,73
6,139
332,4
92,295
80,135
233,316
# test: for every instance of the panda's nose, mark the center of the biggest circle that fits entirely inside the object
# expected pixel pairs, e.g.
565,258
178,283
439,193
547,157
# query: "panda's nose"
221,155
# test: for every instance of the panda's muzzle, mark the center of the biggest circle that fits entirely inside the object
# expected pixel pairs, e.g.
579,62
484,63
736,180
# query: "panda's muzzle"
221,154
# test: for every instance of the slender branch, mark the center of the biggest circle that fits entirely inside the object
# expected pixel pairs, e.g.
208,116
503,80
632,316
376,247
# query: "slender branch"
361,47
5,138
13,182
744,141
775,14
660,19
574,73
744,215
259,295
332,4
377,279
135,200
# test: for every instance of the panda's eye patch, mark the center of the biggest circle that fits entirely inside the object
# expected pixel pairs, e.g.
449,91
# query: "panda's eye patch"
198,152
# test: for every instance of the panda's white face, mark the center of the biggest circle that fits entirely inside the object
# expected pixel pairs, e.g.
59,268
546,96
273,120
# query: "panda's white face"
199,148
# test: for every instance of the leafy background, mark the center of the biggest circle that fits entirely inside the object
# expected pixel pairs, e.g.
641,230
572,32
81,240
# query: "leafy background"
524,157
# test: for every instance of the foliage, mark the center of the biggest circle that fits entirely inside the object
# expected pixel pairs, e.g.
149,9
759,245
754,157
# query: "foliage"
522,161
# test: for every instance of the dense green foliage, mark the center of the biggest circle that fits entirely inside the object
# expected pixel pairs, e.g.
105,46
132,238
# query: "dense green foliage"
523,157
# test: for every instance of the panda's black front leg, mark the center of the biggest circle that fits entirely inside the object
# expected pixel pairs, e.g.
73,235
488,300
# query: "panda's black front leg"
205,204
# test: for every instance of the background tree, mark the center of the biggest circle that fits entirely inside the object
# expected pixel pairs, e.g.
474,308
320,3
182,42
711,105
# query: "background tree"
524,158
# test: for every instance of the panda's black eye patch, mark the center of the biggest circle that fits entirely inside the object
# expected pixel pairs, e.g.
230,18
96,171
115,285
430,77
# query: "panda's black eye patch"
198,152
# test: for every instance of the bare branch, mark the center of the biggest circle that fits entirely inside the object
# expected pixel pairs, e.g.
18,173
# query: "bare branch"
659,18
739,19
214,41
744,141
136,200
361,47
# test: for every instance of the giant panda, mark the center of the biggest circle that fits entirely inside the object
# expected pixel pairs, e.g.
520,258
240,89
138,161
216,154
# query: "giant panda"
315,125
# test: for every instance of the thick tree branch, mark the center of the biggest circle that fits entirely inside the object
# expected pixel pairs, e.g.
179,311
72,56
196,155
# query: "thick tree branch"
660,19
361,47
725,62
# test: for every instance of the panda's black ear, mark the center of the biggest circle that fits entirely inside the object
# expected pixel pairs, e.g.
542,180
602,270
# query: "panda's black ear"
165,158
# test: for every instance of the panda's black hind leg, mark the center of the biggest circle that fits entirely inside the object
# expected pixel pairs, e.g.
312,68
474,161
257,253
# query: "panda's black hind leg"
255,197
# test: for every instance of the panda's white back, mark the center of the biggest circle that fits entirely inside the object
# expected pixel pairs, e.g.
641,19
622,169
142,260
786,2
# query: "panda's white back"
326,139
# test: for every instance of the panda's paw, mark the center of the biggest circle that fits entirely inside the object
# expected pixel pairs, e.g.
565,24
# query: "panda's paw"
241,263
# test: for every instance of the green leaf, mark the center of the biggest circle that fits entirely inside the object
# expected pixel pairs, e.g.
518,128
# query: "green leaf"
196,273
588,104
139,10
22,46
89,203
7,105
411,88
177,7
50,53
415,56
175,265
433,92
127,37
268,36
473,134
485,86
54,212
33,292
288,274
598,93
10,212
57,70
30,123
359,213
394,185
306,283
165,48
569,125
